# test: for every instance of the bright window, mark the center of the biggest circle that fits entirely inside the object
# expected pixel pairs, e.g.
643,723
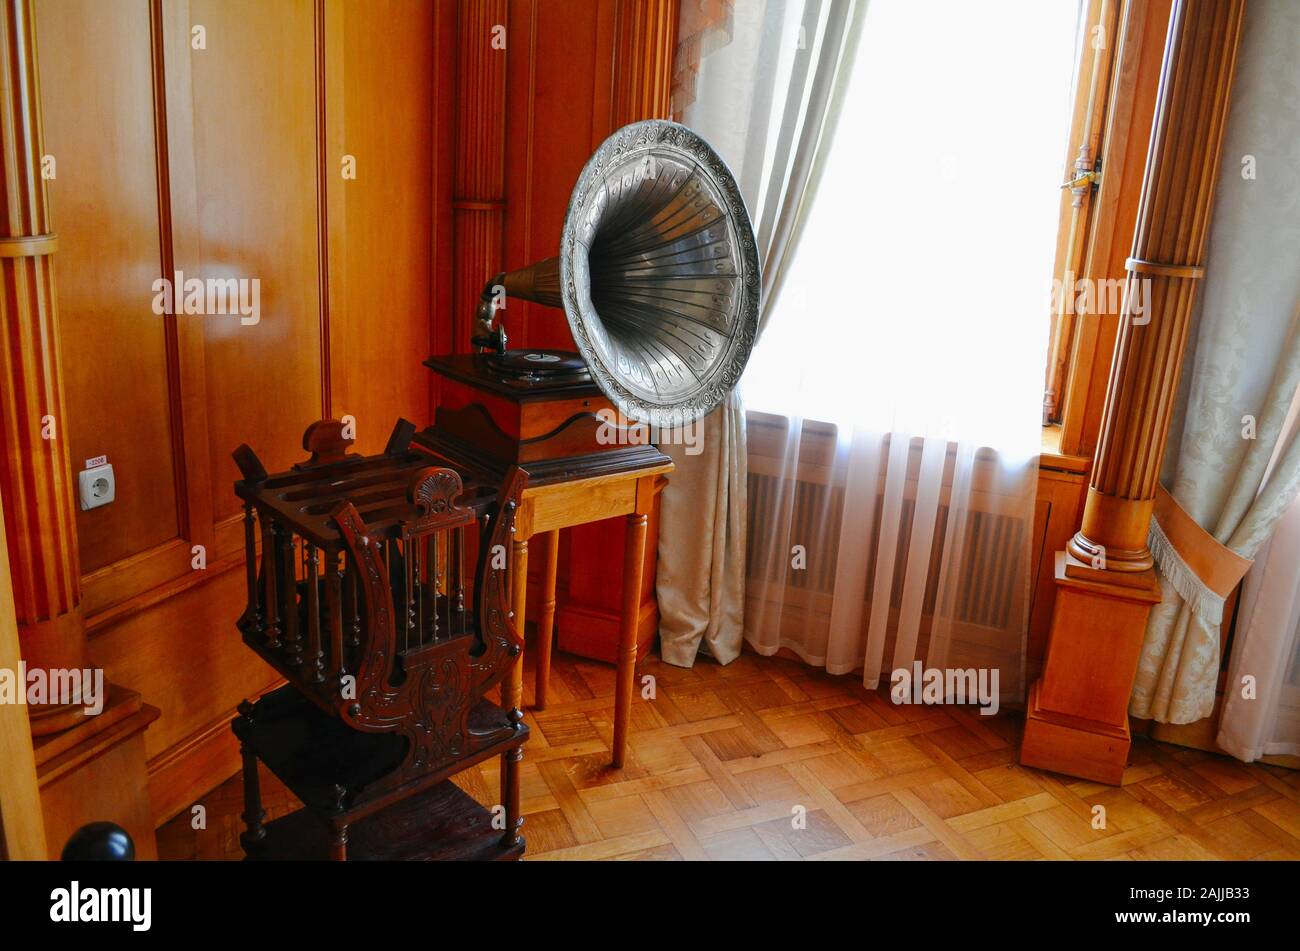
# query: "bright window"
917,295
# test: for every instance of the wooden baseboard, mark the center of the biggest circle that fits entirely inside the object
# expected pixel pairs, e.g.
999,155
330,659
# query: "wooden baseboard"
593,632
184,772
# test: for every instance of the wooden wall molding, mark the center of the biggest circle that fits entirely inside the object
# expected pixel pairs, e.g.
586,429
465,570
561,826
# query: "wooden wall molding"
178,220
325,167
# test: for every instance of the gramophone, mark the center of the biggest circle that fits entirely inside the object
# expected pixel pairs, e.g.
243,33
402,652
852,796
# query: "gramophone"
658,277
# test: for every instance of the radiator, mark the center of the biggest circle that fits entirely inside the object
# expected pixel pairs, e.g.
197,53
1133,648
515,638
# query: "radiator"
990,594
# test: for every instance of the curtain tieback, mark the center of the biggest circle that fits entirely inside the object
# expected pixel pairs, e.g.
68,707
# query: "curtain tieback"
1202,569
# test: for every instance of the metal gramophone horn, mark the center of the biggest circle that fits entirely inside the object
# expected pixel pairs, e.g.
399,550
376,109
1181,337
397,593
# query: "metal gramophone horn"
657,273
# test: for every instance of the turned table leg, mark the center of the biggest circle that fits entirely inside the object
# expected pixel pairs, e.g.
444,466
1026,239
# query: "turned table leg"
546,620
629,622
512,696
512,687
339,845
510,760
254,832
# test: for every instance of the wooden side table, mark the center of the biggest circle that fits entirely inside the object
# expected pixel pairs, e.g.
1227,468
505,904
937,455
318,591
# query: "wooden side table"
583,466
544,510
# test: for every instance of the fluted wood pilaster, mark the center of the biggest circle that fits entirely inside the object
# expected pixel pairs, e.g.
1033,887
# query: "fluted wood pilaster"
645,40
35,470
1168,254
1077,716
478,185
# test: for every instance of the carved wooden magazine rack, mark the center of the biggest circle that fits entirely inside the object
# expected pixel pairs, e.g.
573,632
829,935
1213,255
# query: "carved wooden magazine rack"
364,601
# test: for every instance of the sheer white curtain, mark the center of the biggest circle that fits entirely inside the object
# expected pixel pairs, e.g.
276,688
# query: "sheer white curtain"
763,84
1261,716
909,334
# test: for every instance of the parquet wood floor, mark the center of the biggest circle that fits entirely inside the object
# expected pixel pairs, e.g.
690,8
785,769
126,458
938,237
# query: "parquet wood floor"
766,759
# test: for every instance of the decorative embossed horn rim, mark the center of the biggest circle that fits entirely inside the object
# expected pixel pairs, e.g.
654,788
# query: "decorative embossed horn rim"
659,273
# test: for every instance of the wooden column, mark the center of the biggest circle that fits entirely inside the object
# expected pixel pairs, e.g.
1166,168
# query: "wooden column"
478,176
645,37
1077,721
88,767
35,469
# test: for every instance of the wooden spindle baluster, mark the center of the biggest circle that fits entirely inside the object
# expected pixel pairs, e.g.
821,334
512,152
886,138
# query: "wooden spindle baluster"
253,613
437,583
315,658
353,594
460,577
334,605
270,575
289,599
421,584
407,562
510,788
446,541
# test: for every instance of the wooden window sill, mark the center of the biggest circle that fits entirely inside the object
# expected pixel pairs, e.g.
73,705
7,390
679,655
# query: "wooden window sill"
1053,458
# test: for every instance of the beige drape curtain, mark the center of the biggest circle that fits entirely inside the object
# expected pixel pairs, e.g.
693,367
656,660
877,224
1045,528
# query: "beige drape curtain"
1261,705
1231,463
892,474
761,82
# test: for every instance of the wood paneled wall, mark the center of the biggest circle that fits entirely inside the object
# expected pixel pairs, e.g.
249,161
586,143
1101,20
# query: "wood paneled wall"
226,161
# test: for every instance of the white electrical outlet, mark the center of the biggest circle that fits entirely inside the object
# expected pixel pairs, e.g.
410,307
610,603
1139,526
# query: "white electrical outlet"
98,486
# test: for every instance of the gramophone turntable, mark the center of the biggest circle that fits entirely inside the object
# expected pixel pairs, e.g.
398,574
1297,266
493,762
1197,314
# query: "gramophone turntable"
658,277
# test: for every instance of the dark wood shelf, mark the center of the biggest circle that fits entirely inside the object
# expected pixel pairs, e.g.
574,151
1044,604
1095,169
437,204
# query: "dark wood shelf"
441,824
315,754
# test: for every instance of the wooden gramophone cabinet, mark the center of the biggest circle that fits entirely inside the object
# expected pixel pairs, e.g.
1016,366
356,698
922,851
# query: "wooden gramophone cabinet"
583,467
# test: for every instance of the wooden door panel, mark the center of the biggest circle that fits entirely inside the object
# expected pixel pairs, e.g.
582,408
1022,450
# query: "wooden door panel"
253,111
380,240
558,79
97,99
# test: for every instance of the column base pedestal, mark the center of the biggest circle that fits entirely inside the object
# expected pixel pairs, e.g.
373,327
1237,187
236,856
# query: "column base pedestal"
1077,721
1087,749
96,771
